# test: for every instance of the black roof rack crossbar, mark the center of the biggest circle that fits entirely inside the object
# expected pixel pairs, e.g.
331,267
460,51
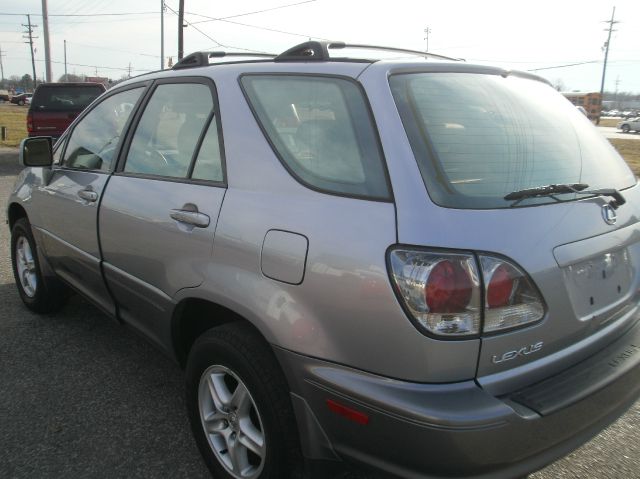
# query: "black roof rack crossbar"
307,51
341,45
199,59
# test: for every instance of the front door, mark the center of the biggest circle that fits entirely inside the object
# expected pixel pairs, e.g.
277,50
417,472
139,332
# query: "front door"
72,195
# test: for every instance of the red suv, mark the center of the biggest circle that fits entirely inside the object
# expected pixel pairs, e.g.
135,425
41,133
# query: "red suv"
55,105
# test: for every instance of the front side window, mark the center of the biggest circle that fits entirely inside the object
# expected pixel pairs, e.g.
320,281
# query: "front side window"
322,131
169,131
478,137
94,140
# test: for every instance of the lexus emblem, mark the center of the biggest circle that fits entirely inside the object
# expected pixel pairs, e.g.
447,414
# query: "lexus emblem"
609,214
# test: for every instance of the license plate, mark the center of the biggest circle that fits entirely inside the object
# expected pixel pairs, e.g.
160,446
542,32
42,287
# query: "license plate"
599,284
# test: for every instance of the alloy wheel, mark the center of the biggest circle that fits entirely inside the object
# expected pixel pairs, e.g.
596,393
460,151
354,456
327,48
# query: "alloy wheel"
231,422
26,267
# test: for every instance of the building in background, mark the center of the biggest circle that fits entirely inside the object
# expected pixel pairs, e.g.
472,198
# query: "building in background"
590,101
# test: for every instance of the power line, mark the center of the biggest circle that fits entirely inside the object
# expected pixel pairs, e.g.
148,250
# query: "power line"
563,66
213,19
85,14
209,37
113,49
274,30
102,67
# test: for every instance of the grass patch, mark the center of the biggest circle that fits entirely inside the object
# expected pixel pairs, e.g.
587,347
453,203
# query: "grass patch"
630,151
612,122
14,117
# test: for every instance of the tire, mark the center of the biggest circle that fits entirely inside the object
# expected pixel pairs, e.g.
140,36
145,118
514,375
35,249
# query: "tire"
21,102
251,413
39,293
625,128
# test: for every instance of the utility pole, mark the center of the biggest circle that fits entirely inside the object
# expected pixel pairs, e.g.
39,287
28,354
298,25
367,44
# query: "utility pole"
47,50
1,66
129,70
180,26
66,77
29,35
611,23
161,34
427,31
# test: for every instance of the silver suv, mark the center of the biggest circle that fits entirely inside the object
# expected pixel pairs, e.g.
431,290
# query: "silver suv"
425,267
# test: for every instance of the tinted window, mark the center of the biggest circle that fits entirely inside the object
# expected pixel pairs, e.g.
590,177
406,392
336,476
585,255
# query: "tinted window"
209,163
93,142
168,133
71,98
477,138
322,131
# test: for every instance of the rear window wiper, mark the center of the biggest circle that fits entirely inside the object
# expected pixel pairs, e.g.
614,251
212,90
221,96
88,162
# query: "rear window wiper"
552,190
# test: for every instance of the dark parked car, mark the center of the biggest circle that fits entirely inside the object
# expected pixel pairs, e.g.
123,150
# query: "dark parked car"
56,105
21,99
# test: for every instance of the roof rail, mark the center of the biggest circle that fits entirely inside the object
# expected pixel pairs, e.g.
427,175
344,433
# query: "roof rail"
199,59
305,52
319,51
341,45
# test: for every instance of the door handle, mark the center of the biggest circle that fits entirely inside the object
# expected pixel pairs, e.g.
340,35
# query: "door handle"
88,195
194,218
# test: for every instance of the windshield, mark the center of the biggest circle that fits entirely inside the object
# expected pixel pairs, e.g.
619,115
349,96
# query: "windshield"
478,137
63,98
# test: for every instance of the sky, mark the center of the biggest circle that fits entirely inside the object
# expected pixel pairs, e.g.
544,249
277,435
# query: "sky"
513,34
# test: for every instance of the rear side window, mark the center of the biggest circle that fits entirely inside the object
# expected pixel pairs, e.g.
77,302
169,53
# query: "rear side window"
65,98
322,131
169,132
478,137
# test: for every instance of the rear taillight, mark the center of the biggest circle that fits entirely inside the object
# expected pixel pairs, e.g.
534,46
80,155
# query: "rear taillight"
444,296
441,291
30,123
511,299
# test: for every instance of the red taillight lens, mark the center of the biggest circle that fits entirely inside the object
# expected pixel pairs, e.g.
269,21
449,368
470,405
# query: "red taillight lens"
440,290
511,298
30,123
448,288
500,287
442,293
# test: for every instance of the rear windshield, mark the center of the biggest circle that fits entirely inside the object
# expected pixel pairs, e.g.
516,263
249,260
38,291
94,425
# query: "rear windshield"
65,98
478,137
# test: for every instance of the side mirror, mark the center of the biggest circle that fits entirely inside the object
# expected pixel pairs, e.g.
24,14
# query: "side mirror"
36,151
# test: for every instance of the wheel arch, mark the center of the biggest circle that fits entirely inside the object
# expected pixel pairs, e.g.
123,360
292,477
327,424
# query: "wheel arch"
15,212
192,317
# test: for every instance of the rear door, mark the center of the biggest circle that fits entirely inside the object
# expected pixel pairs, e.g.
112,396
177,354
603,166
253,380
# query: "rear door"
159,215
74,191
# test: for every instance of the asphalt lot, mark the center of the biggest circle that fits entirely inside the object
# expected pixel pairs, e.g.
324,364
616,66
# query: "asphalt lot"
612,132
82,397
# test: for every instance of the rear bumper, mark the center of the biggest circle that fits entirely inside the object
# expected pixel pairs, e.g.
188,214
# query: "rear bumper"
427,430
